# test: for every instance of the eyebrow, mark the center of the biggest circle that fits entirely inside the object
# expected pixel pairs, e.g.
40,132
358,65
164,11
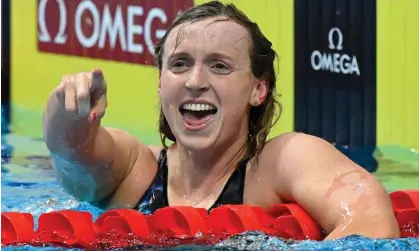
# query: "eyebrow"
213,55
178,54
217,55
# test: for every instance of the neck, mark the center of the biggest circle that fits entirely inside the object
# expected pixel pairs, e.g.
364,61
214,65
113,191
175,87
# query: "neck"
201,170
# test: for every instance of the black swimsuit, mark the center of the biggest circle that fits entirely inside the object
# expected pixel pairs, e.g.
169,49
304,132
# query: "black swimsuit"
156,195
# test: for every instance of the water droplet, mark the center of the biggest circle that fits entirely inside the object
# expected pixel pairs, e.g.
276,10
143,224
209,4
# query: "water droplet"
189,152
346,213
258,179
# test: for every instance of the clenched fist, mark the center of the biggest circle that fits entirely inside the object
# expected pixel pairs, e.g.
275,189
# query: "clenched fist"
83,95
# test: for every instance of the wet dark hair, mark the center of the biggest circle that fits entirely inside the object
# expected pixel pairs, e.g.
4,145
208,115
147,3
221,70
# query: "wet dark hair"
262,117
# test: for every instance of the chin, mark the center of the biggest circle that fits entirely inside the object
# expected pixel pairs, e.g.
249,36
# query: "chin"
197,143
196,140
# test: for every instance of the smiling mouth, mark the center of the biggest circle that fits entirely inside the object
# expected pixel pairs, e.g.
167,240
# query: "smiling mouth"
197,116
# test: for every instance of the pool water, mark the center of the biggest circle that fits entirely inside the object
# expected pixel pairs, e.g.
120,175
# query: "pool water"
28,185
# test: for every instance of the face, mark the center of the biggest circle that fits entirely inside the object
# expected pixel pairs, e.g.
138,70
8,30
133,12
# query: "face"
206,84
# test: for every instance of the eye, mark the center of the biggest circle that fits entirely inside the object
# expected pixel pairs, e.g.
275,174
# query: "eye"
179,66
220,68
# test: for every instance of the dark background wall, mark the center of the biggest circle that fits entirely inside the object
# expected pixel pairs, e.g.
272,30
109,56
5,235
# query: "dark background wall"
5,60
335,74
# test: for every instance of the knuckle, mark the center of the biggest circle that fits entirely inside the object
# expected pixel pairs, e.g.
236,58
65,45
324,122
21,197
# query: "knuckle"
82,75
83,79
60,87
88,75
66,82
67,78
83,94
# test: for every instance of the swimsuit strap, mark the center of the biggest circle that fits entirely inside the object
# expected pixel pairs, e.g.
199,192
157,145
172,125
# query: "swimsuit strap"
156,196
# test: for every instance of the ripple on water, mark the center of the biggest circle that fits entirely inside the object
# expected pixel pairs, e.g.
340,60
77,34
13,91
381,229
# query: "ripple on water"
28,185
260,241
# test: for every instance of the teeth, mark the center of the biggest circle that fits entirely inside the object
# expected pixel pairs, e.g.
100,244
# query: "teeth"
198,107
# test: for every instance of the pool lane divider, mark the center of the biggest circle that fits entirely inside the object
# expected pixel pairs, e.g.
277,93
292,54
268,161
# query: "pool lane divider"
173,226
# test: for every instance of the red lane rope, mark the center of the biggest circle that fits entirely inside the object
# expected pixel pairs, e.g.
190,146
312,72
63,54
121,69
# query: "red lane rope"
172,226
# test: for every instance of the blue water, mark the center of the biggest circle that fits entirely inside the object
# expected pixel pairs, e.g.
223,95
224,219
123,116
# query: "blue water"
28,185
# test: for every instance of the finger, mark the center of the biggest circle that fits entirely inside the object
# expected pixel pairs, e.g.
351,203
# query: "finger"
97,80
70,98
82,94
60,92
98,110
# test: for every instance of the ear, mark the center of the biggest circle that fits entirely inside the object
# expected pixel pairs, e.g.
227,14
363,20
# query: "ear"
259,93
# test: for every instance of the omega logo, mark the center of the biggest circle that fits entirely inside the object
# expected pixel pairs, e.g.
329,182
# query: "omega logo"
44,36
335,62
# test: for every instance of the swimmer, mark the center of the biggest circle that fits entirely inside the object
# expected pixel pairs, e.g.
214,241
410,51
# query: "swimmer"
217,91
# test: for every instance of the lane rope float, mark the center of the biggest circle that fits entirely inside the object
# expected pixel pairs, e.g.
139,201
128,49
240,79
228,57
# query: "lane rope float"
172,226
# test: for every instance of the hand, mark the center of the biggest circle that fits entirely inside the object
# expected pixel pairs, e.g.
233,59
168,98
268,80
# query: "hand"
83,95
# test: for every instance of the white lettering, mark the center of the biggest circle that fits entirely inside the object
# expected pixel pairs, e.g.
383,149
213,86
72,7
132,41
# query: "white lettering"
345,67
115,29
335,62
92,40
61,37
134,29
340,39
44,36
154,13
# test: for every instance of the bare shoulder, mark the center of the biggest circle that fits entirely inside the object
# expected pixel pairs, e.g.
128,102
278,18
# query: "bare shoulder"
292,157
294,146
294,139
275,147
291,144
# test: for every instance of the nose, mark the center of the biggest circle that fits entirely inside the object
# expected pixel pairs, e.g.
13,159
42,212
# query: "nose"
197,80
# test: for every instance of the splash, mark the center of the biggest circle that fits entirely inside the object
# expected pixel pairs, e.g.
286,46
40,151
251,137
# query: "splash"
37,207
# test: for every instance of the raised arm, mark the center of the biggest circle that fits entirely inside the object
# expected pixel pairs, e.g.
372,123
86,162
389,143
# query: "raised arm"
93,163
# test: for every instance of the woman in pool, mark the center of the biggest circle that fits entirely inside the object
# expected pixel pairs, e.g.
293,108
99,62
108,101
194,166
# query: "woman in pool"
216,87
